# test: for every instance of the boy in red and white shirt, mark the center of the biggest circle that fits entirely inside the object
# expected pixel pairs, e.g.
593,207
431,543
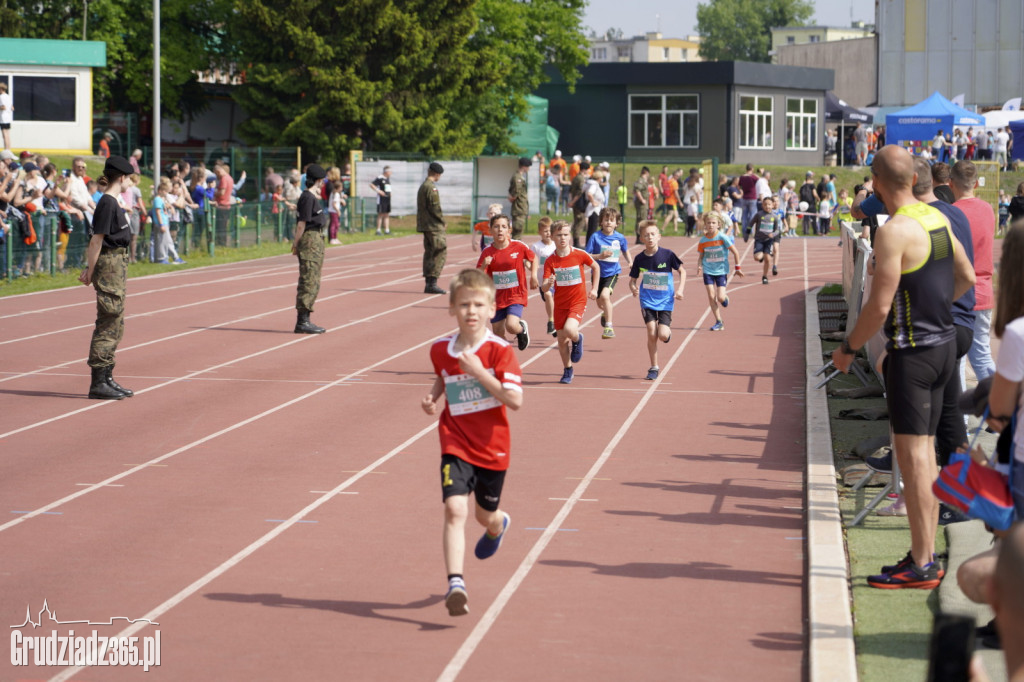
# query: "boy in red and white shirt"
506,260
564,270
479,376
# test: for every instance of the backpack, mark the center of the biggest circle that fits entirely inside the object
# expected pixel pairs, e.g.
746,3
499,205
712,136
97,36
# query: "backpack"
807,193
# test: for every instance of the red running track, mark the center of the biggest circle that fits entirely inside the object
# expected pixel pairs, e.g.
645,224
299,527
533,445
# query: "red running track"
271,501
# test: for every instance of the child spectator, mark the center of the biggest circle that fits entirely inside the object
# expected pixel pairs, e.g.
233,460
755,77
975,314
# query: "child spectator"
714,249
542,249
825,213
506,261
563,270
1004,210
93,189
621,196
163,245
334,208
608,246
765,225
792,203
844,206
658,289
479,376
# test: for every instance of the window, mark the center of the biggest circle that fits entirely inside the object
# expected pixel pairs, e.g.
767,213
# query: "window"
43,98
801,123
599,54
790,40
664,120
815,39
625,52
756,122
665,53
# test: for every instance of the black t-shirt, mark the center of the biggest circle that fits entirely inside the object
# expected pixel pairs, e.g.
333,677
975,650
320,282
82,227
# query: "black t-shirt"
384,185
311,211
111,221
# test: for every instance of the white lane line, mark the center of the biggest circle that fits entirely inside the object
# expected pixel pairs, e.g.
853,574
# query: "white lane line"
234,427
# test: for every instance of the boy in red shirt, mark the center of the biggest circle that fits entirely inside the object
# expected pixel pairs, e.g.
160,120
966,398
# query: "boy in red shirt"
564,270
479,376
506,260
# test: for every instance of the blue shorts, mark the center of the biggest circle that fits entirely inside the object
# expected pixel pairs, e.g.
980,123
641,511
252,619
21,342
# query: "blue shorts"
764,247
717,280
514,309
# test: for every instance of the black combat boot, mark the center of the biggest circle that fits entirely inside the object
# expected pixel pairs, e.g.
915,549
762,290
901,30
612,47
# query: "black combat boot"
304,326
432,287
100,389
116,386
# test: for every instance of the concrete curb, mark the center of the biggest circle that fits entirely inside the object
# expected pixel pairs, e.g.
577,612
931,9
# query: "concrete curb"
830,648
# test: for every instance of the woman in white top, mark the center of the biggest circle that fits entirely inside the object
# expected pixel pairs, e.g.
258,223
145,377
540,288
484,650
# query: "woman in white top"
1005,398
595,201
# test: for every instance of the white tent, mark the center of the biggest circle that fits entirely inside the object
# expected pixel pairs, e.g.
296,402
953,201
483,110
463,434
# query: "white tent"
1001,119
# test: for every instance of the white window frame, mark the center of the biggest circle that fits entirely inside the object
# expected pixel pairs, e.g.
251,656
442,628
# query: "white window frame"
762,120
802,126
665,114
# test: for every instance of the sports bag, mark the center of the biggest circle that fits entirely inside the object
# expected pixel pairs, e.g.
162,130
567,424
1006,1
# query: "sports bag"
979,491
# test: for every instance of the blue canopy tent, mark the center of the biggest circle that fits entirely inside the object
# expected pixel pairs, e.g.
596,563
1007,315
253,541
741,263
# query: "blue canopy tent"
915,126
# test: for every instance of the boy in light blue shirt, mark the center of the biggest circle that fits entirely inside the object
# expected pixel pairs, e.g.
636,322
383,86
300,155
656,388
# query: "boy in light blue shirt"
714,249
608,246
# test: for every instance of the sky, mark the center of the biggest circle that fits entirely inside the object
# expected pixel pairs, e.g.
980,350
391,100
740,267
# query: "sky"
636,17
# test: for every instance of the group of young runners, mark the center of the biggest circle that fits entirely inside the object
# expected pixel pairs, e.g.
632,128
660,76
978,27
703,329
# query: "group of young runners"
476,369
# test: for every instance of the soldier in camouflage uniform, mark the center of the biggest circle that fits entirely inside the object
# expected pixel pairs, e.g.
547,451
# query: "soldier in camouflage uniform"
519,196
309,247
430,221
107,271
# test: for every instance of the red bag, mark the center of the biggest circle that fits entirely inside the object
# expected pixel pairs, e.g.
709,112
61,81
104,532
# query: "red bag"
978,491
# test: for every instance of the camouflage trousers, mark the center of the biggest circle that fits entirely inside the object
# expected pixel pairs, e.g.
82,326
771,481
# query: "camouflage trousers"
518,225
109,279
435,253
311,262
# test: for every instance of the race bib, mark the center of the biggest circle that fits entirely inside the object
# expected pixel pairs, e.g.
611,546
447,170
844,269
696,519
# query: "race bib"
387,188
540,263
714,256
565,277
488,240
466,395
766,226
506,279
656,281
616,250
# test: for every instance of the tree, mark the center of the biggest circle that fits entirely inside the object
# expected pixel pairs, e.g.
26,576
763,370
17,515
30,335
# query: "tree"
444,79
741,29
190,42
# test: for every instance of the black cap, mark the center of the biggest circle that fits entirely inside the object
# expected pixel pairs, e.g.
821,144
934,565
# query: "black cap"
117,165
315,172
29,167
435,167
974,402
525,162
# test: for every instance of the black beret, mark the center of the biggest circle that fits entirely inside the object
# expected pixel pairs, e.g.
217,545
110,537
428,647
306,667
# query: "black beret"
435,167
117,165
315,172
523,161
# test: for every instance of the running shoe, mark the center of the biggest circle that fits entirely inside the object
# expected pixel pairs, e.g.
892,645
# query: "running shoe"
577,350
910,575
948,515
551,328
566,376
486,546
523,337
907,560
717,326
178,261
725,303
764,280
775,271
456,599
163,261
880,463
608,333
897,508
652,374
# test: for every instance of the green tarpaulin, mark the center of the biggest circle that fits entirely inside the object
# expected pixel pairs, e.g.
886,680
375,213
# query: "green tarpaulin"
534,134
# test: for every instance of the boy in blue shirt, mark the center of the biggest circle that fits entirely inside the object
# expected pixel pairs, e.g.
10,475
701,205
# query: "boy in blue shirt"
658,289
714,249
608,246
765,225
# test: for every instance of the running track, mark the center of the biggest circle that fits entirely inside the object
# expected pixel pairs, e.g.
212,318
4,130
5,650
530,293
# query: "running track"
272,501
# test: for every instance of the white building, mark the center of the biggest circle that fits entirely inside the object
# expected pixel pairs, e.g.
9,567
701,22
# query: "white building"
651,47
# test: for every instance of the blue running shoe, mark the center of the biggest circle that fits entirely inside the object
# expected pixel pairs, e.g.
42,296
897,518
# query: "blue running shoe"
178,261
577,350
652,374
717,326
725,303
566,376
486,546
456,599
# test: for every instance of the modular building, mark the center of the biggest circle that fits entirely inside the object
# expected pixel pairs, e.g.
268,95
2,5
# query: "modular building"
736,111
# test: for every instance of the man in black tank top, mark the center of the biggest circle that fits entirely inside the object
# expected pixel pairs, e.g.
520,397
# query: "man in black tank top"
920,269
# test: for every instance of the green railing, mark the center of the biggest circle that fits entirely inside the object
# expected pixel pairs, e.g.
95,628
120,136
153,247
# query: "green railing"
239,225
